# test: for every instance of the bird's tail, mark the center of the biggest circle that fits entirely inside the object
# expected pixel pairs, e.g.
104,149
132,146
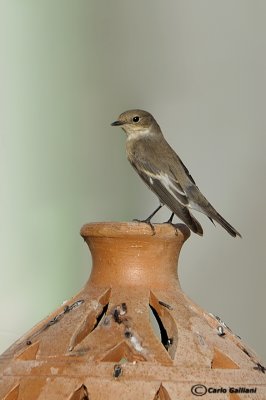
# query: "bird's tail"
229,228
201,204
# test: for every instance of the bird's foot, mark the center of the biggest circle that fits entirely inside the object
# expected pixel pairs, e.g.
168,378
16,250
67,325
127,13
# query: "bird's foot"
170,222
146,221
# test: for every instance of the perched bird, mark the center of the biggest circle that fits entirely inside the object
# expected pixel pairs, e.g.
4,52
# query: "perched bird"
163,171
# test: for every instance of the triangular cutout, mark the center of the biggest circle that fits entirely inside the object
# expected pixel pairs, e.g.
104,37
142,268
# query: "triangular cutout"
162,394
91,321
13,394
163,324
220,360
123,351
80,394
159,327
30,352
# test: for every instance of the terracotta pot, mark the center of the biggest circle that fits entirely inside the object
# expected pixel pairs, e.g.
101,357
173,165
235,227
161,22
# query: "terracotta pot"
131,333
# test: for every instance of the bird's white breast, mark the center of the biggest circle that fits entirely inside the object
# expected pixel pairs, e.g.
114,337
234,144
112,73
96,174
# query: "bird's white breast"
133,135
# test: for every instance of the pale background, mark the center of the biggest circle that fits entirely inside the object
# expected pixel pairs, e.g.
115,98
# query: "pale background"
68,68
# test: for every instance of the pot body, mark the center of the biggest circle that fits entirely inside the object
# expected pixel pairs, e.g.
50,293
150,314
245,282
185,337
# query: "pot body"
131,332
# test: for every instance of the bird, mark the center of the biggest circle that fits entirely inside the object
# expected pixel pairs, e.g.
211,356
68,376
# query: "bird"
164,172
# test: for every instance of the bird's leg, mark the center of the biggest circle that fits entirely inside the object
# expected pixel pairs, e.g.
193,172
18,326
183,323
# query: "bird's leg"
148,220
152,214
170,221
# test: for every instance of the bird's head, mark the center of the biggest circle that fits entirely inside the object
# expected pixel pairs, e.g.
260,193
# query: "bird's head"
136,122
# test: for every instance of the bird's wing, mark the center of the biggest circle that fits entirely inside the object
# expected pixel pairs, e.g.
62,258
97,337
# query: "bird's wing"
161,182
169,193
185,169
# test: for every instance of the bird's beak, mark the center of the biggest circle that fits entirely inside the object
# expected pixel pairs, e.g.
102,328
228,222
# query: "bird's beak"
117,123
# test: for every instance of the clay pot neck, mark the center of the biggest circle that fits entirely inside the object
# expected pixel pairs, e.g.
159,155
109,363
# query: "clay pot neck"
130,254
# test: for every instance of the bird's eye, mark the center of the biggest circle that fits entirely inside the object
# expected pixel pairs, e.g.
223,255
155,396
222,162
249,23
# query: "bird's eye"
136,119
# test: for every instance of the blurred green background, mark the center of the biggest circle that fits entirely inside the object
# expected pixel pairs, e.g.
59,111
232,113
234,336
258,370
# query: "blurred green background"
68,69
